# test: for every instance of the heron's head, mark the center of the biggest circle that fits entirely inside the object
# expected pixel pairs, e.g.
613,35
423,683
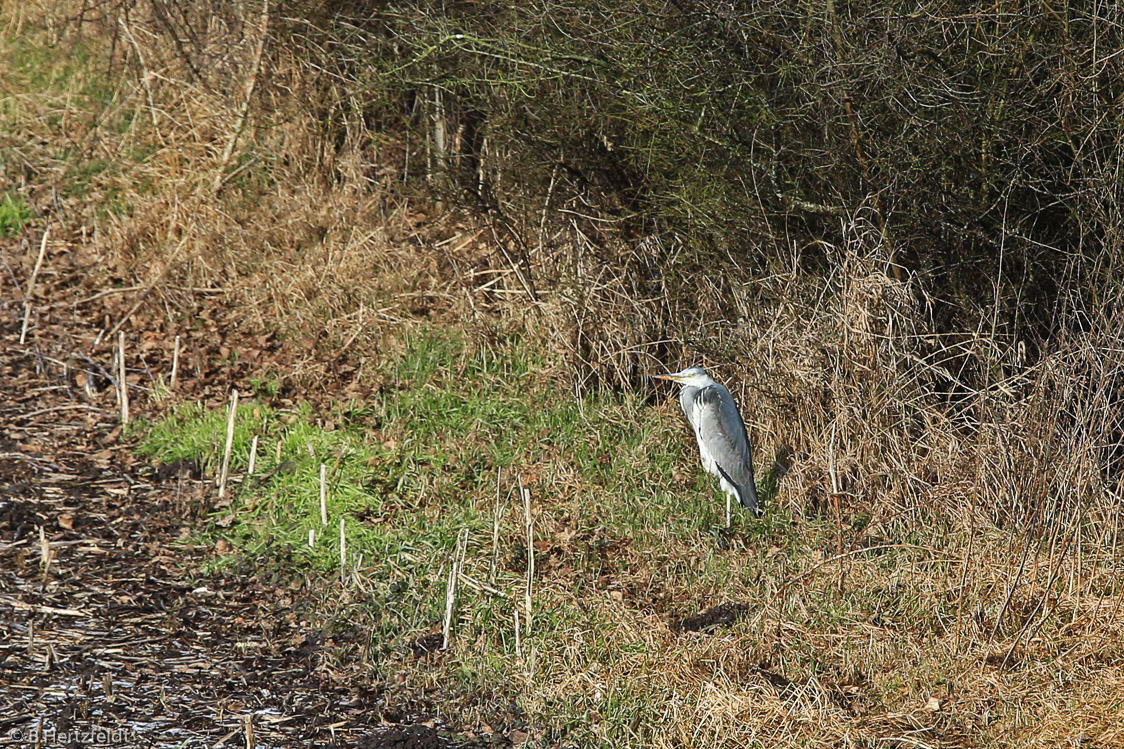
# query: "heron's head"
691,376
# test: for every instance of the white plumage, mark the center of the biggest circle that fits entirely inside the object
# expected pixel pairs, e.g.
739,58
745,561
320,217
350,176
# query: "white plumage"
724,447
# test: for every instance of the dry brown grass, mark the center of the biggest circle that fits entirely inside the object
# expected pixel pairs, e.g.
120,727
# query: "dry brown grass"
944,568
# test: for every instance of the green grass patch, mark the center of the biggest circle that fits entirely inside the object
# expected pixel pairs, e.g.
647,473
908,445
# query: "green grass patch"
419,463
628,530
409,470
14,215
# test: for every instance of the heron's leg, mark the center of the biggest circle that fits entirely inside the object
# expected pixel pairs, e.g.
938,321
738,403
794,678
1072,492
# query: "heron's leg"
728,499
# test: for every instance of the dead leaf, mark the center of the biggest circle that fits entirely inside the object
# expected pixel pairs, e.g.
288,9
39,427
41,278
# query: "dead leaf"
563,536
933,705
66,521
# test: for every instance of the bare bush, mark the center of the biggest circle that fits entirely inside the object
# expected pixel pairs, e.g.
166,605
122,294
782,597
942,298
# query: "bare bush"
899,230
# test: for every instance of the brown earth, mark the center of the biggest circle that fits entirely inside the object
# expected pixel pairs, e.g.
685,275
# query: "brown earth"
109,635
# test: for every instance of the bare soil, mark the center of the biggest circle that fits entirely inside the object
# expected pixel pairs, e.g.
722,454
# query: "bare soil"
109,635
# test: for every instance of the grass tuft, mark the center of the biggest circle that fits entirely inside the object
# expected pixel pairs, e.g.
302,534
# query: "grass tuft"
14,215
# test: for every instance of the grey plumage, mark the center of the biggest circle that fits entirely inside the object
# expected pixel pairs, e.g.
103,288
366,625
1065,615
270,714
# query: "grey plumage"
724,446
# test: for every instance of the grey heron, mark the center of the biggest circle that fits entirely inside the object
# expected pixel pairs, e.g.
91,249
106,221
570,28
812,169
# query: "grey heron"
723,442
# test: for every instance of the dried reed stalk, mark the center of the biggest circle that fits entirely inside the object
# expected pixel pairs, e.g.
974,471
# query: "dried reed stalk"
229,443
451,588
123,387
323,495
175,363
527,597
495,531
472,582
343,551
44,551
31,285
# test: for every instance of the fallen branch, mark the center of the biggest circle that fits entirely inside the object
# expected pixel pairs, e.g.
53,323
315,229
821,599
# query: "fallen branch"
18,604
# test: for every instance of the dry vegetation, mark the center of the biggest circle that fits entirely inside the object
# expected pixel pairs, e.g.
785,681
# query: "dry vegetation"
941,563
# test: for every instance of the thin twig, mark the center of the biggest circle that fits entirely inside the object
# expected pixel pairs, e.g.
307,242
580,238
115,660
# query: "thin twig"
122,385
323,495
451,588
495,531
248,724
52,409
145,77
472,582
244,107
31,285
97,296
175,363
343,551
229,443
526,494
46,553
17,604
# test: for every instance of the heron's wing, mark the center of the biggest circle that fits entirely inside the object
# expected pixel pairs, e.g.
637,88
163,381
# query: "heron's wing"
721,429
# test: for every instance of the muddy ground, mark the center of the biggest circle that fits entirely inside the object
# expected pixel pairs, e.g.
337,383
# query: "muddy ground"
109,633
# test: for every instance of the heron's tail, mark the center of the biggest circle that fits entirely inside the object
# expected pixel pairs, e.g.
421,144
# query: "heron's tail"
747,496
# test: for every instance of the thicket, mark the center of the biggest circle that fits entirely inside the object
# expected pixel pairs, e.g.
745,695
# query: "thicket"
899,226
981,142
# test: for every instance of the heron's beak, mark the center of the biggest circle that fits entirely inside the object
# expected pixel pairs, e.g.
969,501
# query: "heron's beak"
671,377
